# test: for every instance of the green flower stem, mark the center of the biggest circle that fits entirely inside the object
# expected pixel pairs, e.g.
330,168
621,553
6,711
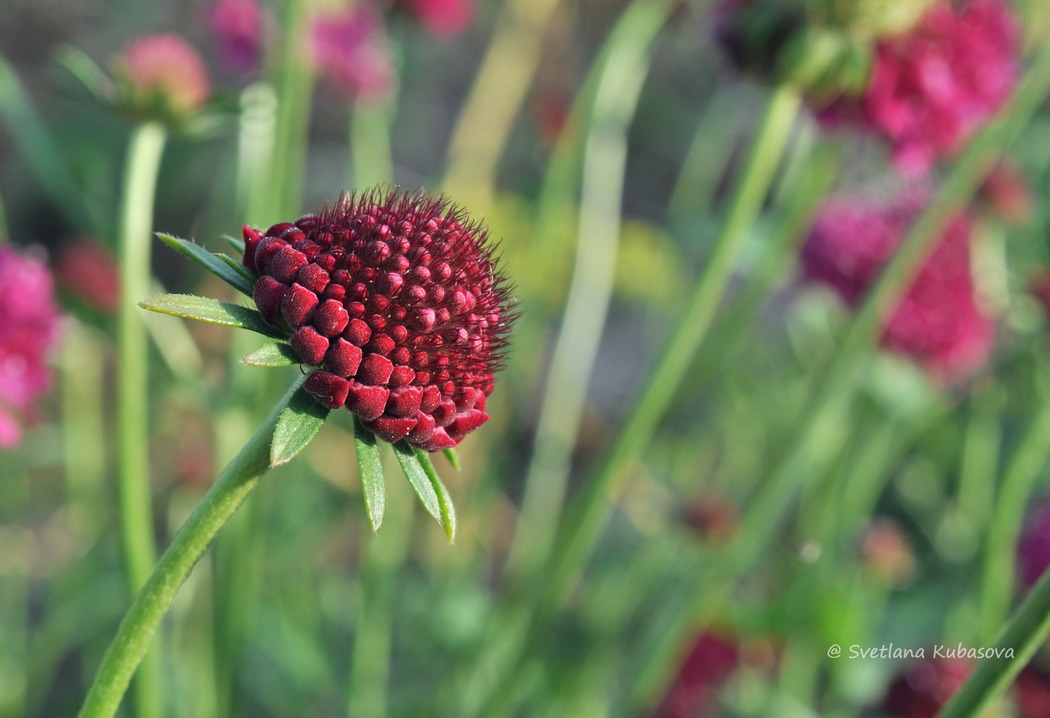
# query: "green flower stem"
133,637
590,290
1019,479
133,471
582,525
370,153
1025,632
767,509
499,89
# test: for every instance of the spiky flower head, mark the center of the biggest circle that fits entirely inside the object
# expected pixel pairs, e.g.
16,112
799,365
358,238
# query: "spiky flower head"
939,321
396,298
29,328
162,77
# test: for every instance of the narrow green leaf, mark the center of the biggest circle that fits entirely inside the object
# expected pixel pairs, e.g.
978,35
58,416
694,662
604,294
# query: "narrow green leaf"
372,481
236,244
453,458
417,476
448,511
212,311
236,266
274,354
296,427
209,261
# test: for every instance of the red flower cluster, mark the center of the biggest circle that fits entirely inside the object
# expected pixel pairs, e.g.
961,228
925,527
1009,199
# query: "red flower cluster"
935,84
939,321
926,687
398,298
29,326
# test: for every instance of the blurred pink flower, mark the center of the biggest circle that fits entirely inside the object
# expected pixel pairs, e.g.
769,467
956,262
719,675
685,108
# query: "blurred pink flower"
711,660
88,271
443,18
238,29
351,52
933,86
29,327
925,687
164,75
939,321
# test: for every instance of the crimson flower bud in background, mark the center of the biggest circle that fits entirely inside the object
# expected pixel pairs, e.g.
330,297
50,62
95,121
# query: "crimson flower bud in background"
238,28
712,660
397,299
887,551
933,86
1033,552
161,77
925,687
86,271
939,321
351,53
29,330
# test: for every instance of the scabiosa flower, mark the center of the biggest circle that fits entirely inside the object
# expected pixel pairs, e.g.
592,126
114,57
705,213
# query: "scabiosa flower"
350,51
933,86
925,687
939,322
238,27
163,77
397,300
29,327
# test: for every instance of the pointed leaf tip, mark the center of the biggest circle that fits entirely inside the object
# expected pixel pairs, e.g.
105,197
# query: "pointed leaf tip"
224,269
373,483
424,479
296,427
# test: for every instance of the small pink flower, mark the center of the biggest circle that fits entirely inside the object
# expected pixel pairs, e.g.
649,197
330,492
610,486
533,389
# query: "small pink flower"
711,660
939,321
933,86
29,328
350,50
924,688
87,270
163,76
238,27
443,18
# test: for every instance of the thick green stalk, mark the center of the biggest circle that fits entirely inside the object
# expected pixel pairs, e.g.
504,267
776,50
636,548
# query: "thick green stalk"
582,525
1022,472
1017,642
370,153
767,509
133,637
590,290
133,475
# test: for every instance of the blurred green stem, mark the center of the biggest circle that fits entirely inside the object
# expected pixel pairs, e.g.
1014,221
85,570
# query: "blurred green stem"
370,159
133,391
83,431
1022,636
499,89
590,290
1023,470
129,645
766,510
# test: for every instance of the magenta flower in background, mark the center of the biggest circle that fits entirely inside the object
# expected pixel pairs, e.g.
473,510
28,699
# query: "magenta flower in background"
939,321
87,270
238,27
397,299
350,51
443,18
29,329
925,687
162,75
1033,552
933,86
711,660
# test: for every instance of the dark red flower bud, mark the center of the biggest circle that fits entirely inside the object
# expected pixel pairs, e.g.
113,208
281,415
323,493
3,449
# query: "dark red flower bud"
398,295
